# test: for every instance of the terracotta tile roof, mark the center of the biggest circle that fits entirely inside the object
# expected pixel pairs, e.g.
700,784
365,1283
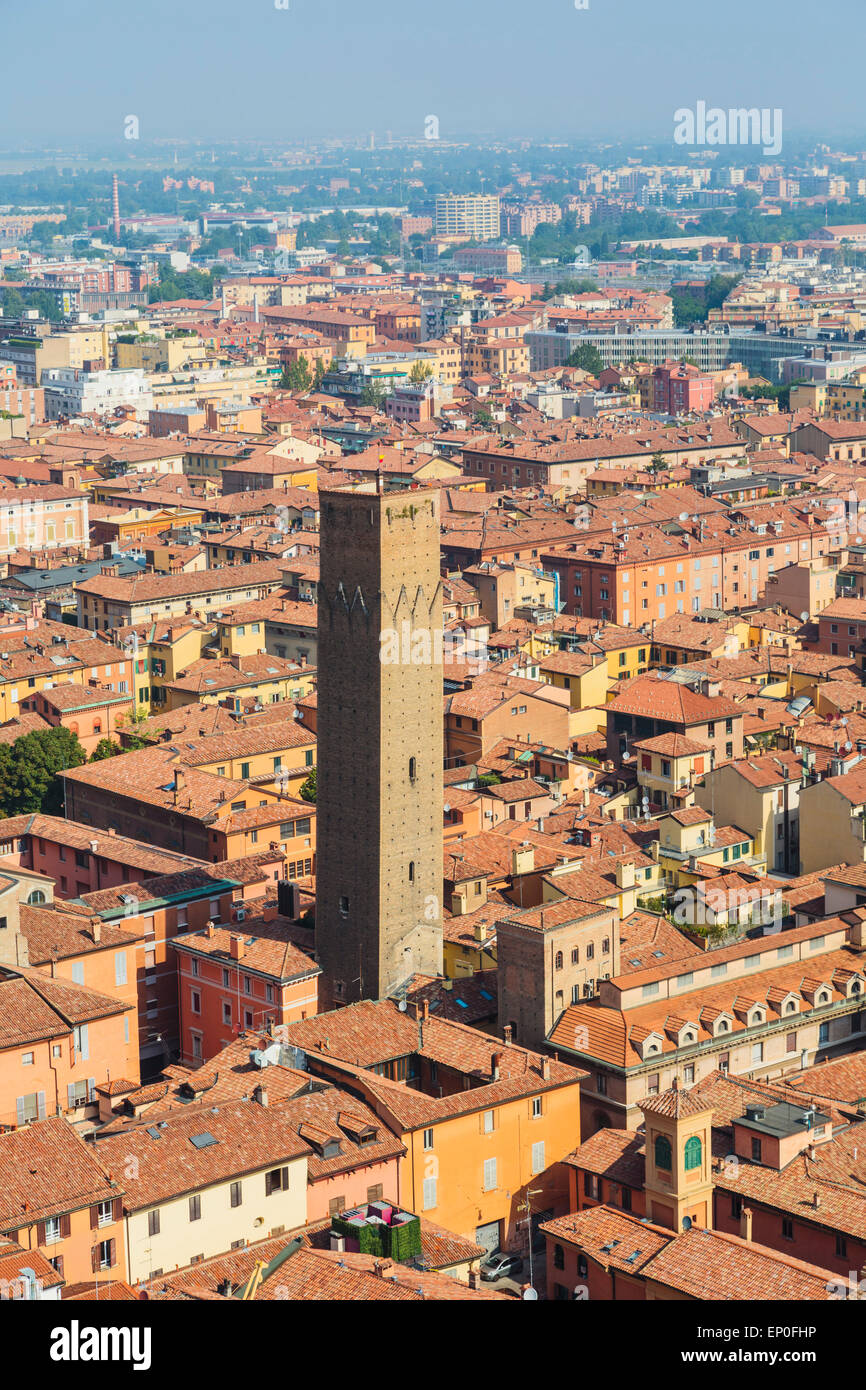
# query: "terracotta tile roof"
713,1265
672,746
268,952
152,588
611,1035
169,1164
614,1239
655,698
110,1290
362,1035
675,1104
616,1154
46,1169
57,932
35,1007
14,1260
311,1276
646,940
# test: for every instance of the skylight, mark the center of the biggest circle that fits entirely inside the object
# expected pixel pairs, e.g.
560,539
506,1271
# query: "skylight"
203,1141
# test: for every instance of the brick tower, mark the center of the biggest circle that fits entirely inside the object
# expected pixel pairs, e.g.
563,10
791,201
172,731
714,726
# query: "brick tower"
379,727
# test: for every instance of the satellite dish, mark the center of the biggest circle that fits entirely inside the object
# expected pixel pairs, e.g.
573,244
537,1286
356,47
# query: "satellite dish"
804,617
684,516
446,808
402,1006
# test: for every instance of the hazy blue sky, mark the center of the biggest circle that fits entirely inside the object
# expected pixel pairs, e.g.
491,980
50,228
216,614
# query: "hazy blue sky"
221,68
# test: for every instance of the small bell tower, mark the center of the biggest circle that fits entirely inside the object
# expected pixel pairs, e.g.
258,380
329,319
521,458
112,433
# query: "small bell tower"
678,1182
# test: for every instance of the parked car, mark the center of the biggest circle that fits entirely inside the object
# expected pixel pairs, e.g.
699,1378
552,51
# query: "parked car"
501,1266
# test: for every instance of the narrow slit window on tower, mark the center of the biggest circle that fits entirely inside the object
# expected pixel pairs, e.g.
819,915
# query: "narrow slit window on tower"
344,906
411,870
412,768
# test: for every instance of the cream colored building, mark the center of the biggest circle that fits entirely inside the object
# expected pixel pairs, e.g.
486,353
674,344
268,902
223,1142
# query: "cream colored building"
473,216
204,1180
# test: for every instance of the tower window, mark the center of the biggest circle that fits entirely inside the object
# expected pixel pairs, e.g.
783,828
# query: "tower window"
344,906
693,1153
411,870
412,769
663,1153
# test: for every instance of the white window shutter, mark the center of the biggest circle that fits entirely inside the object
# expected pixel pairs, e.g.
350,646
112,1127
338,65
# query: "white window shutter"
40,1104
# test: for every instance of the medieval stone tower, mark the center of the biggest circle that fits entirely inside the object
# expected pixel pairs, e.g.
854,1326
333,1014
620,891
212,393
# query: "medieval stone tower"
380,717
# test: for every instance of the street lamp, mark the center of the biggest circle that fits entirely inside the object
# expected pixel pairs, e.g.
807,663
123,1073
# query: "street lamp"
527,1207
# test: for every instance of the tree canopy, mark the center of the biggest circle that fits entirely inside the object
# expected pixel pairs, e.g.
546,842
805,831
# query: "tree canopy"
587,357
29,768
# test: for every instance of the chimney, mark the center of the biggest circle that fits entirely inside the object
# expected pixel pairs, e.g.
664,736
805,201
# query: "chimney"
746,1223
495,1064
96,929
179,783
625,875
236,946
269,912
816,1200
260,1096
210,930
506,1033
425,1009
545,1068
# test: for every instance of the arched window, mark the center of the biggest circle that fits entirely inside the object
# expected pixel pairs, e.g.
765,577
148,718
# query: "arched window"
558,1257
693,1153
664,1157
412,769
790,1007
36,897
558,961
411,870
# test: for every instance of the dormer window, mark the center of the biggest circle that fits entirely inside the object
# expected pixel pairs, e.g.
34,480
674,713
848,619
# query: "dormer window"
790,1007
822,998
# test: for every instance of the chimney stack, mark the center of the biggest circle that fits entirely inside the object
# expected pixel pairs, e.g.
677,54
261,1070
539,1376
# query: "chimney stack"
545,1068
496,1061
746,1223
236,946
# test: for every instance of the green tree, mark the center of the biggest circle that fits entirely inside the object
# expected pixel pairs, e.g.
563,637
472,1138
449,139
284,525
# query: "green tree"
29,779
318,374
658,463
107,748
297,376
308,788
420,372
374,394
569,286
587,357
